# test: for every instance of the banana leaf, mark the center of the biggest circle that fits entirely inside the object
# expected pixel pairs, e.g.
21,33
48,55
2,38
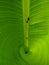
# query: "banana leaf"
12,42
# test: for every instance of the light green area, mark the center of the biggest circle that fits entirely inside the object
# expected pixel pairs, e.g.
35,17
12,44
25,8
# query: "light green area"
39,31
13,30
25,7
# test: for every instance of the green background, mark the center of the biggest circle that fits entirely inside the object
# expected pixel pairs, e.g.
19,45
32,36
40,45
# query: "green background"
12,33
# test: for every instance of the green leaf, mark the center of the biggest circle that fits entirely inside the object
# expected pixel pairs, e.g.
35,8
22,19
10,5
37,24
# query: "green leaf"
14,30
39,32
11,32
